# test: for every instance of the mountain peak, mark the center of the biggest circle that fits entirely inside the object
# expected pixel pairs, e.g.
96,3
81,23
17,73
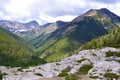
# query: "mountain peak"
95,11
59,21
103,9
34,22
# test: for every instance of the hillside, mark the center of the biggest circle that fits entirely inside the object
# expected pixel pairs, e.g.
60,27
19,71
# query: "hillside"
14,51
65,41
65,44
112,39
103,15
42,35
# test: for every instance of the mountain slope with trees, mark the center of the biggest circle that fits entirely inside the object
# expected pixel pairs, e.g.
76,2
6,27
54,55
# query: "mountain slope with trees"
14,51
111,40
65,41
61,47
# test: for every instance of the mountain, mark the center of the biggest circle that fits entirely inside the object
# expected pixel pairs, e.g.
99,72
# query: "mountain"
106,17
112,39
42,34
65,41
15,26
15,51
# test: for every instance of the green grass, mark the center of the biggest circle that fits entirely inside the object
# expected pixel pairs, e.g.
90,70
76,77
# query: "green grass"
94,77
38,74
85,68
111,75
1,76
64,72
110,53
20,69
59,50
72,77
79,61
67,69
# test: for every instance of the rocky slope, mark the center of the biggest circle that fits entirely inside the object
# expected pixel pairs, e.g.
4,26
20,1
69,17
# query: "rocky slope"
101,64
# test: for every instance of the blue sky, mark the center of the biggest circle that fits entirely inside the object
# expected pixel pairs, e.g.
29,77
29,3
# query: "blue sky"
45,11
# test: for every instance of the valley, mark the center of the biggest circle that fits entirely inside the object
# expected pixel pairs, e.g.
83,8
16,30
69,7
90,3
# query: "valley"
86,48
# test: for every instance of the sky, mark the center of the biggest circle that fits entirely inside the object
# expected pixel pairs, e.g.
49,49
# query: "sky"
44,11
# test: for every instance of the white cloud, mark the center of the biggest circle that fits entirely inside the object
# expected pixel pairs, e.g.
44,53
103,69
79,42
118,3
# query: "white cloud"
49,18
51,10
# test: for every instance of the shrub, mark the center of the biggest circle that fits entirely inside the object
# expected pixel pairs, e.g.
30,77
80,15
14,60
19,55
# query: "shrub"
64,72
94,54
72,77
85,68
58,64
38,74
111,75
1,75
79,61
66,69
20,69
94,77
110,53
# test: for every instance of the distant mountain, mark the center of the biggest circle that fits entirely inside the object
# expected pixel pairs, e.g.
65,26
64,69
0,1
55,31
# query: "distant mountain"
15,51
41,36
15,26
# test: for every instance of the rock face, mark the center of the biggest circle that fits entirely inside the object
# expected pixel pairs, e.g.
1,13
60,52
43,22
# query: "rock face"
97,57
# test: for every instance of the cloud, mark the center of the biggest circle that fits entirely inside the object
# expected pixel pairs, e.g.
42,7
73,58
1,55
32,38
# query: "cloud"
48,18
49,11
107,1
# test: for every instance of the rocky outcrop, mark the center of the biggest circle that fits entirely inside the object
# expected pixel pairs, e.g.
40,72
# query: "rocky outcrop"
97,57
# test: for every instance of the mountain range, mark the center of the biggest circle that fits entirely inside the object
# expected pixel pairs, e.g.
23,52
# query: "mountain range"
65,41
57,40
25,46
15,26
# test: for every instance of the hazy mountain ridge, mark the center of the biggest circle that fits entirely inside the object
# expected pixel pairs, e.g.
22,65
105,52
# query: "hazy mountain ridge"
43,33
15,26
